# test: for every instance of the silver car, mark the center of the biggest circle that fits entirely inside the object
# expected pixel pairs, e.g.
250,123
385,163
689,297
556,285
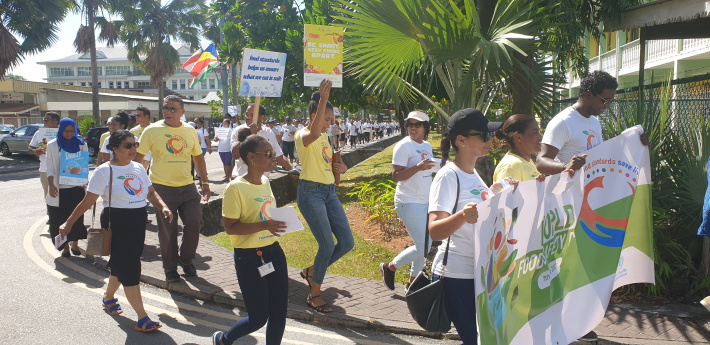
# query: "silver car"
18,141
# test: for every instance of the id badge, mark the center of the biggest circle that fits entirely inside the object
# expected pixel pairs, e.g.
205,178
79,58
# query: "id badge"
266,269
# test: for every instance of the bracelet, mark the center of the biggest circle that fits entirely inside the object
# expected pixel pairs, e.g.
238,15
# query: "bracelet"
205,183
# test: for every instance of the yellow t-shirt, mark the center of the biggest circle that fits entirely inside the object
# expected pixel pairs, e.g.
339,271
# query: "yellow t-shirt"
249,203
102,140
316,158
172,150
138,130
516,167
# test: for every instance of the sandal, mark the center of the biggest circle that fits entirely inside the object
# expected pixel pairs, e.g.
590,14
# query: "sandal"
146,325
76,252
305,277
111,306
321,308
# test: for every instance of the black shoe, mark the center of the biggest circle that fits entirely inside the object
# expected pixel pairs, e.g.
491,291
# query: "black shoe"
387,275
172,276
189,270
591,336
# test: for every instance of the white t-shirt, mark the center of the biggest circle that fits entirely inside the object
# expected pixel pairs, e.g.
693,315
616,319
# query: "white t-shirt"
344,128
572,133
267,134
104,147
288,132
276,131
35,143
441,198
408,153
202,133
224,135
129,188
353,130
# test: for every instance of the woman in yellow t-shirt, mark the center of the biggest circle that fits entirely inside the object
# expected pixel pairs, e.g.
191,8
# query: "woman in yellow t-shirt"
522,134
316,195
259,260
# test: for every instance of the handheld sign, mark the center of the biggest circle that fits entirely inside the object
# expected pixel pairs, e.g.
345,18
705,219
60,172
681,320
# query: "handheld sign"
262,73
46,135
323,55
74,168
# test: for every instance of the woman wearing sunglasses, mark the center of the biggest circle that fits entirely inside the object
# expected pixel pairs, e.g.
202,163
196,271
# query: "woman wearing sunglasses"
469,134
126,217
316,195
522,134
411,169
260,262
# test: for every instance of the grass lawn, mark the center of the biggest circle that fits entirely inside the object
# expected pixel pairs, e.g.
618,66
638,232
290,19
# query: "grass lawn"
363,261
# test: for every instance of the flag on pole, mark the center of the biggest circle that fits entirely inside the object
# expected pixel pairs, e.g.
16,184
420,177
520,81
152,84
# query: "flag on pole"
200,63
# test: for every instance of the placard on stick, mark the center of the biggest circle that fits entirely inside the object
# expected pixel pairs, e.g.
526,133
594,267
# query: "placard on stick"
323,55
262,73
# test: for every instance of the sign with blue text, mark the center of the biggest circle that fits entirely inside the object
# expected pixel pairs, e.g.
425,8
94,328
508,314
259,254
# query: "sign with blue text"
262,73
74,168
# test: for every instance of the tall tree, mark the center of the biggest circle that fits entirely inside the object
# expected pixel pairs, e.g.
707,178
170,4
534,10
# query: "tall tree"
34,22
149,28
86,42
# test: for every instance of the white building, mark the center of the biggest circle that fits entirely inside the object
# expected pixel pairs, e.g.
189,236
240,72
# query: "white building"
116,72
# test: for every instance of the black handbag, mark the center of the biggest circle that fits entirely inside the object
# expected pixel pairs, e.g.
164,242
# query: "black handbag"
425,299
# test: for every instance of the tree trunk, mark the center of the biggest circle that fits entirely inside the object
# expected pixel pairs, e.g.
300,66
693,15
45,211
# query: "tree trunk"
161,95
94,68
403,109
522,86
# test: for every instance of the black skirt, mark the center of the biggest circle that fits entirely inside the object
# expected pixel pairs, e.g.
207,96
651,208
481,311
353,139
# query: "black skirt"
127,238
69,198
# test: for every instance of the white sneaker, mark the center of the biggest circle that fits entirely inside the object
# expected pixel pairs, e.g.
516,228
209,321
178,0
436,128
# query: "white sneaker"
705,302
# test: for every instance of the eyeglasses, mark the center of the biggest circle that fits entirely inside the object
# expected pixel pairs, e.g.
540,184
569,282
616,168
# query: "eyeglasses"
606,100
484,135
171,109
45,119
414,124
128,146
268,154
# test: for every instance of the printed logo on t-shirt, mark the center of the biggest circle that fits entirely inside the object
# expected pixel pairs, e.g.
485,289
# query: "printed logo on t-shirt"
423,153
592,138
265,202
327,159
176,144
480,190
131,183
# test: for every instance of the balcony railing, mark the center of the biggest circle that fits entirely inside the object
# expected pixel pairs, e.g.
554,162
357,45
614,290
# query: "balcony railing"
609,62
135,73
594,63
630,56
659,50
690,45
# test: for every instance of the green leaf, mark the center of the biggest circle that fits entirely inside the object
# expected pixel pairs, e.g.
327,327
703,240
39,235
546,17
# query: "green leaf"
121,177
258,199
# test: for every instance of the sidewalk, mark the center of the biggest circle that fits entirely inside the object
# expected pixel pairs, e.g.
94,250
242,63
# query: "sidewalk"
363,303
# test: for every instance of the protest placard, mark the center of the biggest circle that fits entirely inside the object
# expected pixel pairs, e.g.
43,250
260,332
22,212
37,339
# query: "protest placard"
323,55
46,135
262,73
74,168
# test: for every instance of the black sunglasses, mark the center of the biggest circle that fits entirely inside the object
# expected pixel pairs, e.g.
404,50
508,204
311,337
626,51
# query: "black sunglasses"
606,100
484,135
414,124
268,154
170,109
128,146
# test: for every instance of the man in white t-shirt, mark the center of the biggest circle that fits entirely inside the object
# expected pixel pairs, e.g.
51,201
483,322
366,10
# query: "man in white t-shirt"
263,131
576,129
288,130
352,128
38,146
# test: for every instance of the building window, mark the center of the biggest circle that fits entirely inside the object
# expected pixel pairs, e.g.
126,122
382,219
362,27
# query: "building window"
61,72
117,70
143,85
110,85
182,84
70,83
83,83
203,85
213,84
99,83
174,85
86,71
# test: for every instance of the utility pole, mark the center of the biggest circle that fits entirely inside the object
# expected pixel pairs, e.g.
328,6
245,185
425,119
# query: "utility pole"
223,70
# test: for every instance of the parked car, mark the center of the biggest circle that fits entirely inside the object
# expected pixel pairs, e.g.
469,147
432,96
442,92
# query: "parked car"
4,129
18,141
92,139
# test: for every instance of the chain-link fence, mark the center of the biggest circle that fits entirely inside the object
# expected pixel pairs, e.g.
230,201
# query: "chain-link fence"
688,101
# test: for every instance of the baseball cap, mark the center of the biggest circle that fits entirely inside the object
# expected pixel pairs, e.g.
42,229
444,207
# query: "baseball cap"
417,115
132,116
468,119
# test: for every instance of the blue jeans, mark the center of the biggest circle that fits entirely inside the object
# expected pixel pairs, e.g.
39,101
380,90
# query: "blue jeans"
414,217
460,301
265,298
326,217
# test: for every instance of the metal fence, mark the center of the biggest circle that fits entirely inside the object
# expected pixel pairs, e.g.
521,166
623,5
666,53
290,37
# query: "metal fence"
688,101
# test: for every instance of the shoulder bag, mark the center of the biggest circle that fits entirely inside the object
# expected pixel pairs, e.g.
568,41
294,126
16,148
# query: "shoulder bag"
425,299
99,239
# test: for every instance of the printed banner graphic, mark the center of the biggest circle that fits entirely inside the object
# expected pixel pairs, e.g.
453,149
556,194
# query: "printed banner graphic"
262,73
323,55
550,253
46,135
74,168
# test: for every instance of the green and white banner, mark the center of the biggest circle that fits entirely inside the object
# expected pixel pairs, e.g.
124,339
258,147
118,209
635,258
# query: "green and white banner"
551,253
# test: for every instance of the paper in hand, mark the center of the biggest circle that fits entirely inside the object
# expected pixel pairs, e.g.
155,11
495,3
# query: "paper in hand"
59,240
437,165
287,214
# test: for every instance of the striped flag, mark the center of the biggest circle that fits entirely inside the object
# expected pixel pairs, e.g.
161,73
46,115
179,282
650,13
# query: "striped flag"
200,63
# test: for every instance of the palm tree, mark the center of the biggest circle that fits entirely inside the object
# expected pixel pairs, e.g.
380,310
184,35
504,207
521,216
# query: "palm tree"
149,27
86,42
34,22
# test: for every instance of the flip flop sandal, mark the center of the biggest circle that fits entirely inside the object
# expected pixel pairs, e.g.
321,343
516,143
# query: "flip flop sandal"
305,277
146,325
321,308
111,306
76,252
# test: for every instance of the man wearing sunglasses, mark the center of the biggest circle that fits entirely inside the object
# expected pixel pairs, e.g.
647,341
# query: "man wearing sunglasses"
259,128
174,145
37,147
